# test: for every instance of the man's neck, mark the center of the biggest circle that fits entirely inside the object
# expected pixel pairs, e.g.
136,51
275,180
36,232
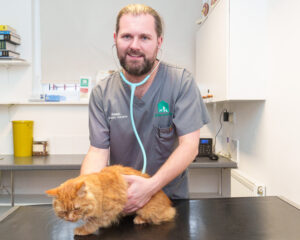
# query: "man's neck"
141,90
137,79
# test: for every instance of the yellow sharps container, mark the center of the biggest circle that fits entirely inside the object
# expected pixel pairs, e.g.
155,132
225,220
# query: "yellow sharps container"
23,138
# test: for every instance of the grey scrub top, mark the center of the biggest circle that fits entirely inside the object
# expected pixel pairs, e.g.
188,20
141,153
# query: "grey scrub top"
171,107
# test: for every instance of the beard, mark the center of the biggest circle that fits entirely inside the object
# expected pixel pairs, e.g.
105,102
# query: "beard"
136,68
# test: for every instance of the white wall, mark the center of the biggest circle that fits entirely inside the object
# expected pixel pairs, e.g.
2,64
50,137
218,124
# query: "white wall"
269,131
16,82
66,126
78,40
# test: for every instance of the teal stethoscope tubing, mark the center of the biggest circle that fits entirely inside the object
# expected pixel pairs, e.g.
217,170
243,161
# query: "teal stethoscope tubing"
133,86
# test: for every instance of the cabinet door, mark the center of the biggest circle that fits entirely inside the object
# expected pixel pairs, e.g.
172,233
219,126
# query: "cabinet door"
247,57
212,48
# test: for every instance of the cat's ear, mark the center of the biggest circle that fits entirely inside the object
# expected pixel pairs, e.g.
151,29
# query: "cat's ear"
52,192
81,189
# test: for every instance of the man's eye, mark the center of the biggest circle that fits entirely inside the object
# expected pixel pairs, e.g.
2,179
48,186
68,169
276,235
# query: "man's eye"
126,36
145,38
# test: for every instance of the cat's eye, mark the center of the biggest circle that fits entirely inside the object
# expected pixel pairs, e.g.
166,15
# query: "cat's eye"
62,212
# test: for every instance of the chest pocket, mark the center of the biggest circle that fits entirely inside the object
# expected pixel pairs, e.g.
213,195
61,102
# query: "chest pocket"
165,139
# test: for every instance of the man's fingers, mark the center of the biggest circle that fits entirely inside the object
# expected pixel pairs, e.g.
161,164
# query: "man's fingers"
129,208
137,195
129,178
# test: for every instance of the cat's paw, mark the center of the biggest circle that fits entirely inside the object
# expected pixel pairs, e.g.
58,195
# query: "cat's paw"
81,231
139,220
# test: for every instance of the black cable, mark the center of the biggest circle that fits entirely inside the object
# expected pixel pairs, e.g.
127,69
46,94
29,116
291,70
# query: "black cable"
221,125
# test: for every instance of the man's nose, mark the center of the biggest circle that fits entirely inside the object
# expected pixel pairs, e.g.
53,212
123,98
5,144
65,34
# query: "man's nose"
135,44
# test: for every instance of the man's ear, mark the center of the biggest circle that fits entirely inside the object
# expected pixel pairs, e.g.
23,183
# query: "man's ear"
81,189
160,41
115,38
52,192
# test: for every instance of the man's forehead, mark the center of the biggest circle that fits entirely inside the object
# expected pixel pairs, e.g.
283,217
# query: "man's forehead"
128,20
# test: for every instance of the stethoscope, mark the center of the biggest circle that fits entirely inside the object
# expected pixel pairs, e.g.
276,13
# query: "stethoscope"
133,87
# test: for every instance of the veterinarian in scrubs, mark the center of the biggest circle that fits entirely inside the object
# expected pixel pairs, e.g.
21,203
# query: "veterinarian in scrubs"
168,112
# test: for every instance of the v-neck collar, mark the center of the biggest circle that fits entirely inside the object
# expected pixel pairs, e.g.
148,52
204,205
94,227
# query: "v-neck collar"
153,87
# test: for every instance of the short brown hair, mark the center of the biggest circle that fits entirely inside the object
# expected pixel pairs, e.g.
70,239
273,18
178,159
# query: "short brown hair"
138,9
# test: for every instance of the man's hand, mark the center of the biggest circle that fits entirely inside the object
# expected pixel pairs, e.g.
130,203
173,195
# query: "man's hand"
140,191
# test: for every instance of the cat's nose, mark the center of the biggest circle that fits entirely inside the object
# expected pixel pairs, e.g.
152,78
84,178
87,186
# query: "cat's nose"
71,217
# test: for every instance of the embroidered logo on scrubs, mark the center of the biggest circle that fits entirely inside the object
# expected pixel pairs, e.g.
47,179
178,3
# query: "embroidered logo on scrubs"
117,116
163,109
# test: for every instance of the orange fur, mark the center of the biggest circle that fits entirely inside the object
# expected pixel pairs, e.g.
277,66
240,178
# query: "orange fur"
99,199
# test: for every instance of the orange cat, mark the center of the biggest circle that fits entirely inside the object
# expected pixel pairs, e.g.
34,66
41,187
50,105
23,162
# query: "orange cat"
99,199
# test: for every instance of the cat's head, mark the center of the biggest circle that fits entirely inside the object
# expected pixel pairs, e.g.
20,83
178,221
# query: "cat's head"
72,201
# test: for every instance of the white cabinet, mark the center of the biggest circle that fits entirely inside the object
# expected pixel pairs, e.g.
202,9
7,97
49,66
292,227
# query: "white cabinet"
230,51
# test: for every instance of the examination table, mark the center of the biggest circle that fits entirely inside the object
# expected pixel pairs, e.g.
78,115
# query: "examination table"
263,218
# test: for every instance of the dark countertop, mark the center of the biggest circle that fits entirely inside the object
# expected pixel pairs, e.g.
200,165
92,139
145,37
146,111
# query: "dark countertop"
50,162
260,218
73,162
205,162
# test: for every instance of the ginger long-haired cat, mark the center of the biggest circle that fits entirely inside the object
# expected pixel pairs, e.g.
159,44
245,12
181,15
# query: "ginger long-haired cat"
99,198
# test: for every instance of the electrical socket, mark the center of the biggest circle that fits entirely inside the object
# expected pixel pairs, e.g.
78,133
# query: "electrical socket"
232,118
228,147
234,150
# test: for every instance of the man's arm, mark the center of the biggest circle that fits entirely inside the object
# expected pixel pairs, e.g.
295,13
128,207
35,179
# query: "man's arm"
179,160
142,189
95,160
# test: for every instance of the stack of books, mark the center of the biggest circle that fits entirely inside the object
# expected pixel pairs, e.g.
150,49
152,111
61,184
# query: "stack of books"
9,40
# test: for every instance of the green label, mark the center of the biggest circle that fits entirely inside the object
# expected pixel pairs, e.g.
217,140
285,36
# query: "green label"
163,109
84,82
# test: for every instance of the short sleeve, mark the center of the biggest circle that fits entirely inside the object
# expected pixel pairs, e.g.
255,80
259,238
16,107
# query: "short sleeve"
190,112
98,126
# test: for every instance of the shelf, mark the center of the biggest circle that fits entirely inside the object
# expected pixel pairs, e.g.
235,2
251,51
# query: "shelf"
9,63
44,103
203,18
235,100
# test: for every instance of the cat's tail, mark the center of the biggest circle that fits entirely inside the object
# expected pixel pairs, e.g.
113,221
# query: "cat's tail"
159,209
168,214
157,216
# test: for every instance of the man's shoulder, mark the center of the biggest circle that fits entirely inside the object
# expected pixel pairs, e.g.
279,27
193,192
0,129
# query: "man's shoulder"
106,84
176,72
172,66
109,79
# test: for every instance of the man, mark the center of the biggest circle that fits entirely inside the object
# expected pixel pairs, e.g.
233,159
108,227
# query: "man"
168,112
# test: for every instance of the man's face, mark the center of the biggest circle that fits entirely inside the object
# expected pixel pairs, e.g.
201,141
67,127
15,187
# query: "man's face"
137,43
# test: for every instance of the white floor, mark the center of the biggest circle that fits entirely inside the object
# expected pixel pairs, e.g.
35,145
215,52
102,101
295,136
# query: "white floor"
4,209
5,200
